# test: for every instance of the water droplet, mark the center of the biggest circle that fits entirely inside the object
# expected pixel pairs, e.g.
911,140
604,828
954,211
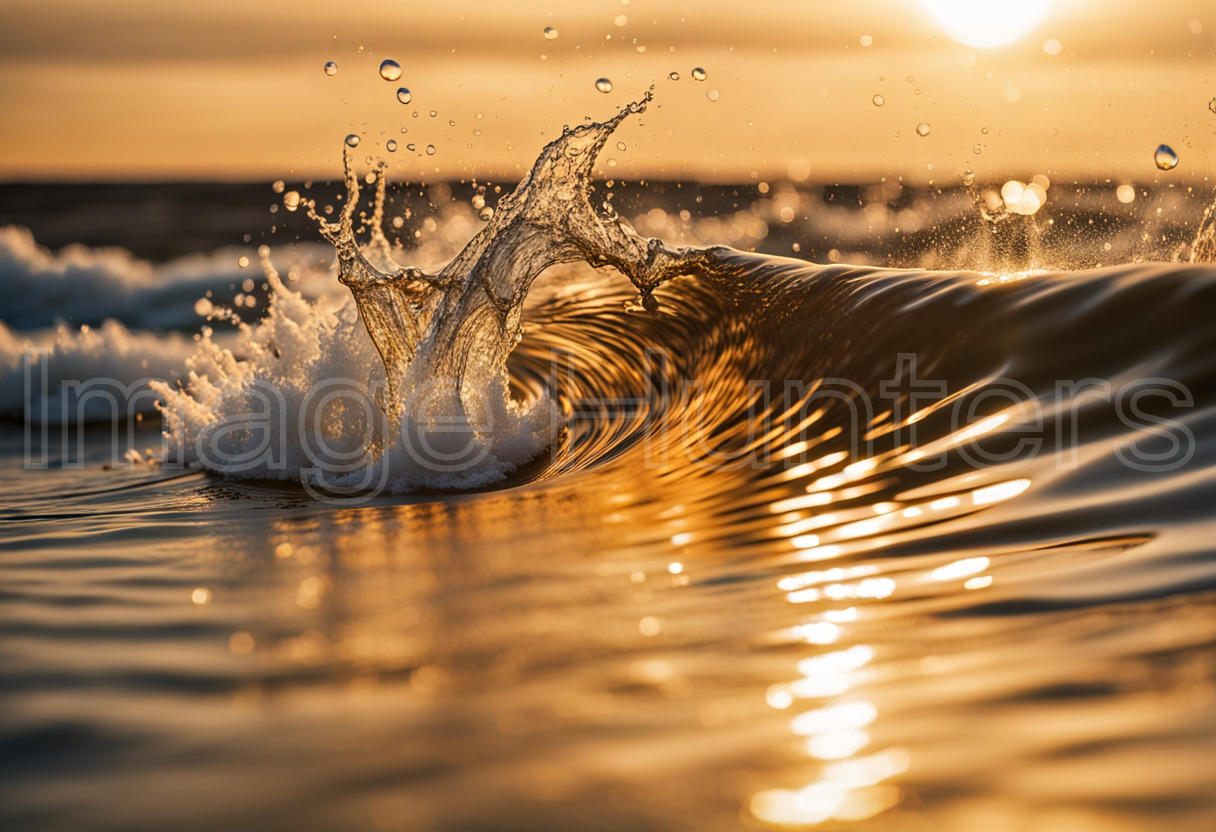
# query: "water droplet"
620,20
866,40
411,147
391,145
1125,194
984,130
331,68
976,150
390,70
278,186
1165,157
479,202
603,85
675,76
486,213
922,129
621,147
1212,105
352,140
712,95
243,262
430,150
550,33
404,95
879,101
968,177
698,74
291,200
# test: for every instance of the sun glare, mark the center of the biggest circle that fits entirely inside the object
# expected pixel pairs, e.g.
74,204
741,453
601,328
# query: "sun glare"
987,23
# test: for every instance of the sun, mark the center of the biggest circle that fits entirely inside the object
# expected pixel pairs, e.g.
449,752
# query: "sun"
987,23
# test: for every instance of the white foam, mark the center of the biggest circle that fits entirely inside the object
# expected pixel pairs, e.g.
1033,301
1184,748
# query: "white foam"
105,367
81,285
265,415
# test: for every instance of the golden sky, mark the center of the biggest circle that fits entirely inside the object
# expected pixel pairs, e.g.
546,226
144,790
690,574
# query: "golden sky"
234,89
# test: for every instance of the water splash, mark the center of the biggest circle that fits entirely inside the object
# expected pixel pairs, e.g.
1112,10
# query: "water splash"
1203,249
460,324
445,416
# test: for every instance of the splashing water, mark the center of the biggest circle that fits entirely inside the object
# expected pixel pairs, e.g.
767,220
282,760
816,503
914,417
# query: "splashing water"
442,339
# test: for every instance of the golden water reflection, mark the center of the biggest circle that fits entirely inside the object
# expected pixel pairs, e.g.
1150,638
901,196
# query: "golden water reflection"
856,781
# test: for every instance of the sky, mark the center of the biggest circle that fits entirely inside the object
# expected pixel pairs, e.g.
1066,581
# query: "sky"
235,89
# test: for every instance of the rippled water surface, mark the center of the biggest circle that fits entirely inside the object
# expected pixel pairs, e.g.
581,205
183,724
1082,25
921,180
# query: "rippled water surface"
711,606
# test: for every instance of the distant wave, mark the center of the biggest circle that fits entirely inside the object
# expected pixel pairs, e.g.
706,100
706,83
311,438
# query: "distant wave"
86,286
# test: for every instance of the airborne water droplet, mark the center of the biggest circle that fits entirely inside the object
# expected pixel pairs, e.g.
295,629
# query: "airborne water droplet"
352,140
486,213
1212,105
621,147
603,85
291,200
550,33
278,186
404,96
1165,157
430,150
968,177
243,262
712,95
391,145
922,129
698,74
879,101
331,68
390,70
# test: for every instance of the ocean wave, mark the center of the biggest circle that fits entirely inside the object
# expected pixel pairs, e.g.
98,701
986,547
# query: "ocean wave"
85,286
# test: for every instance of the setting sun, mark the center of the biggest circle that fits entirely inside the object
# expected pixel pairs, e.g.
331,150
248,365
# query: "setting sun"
988,23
